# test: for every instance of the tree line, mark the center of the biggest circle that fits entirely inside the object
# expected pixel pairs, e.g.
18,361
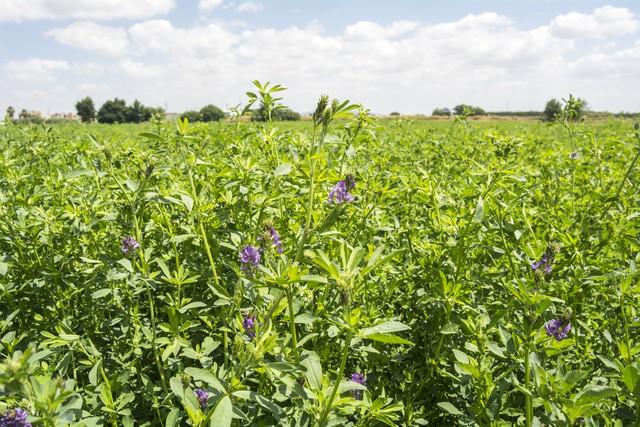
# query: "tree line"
115,111
553,109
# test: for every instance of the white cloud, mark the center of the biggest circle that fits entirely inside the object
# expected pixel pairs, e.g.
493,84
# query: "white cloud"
249,6
485,59
209,5
23,10
35,70
160,36
604,22
140,70
93,37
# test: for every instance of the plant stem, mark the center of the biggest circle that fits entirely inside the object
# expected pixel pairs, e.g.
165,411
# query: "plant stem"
203,235
152,314
527,385
343,363
307,224
292,325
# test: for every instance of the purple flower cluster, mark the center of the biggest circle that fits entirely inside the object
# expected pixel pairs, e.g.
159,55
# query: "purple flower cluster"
359,378
14,418
249,258
275,238
558,328
341,192
248,323
129,245
545,264
203,396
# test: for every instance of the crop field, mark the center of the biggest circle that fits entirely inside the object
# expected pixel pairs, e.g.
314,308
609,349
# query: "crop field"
338,271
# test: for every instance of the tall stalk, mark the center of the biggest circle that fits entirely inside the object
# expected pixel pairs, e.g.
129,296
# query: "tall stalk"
309,208
343,363
152,314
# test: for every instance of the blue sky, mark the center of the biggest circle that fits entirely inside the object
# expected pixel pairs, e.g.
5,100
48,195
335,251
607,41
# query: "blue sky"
409,55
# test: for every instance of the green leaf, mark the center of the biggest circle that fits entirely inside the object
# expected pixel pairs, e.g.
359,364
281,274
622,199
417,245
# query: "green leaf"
449,408
173,418
126,264
188,202
206,377
100,293
479,212
384,328
631,378
175,384
260,400
388,339
283,169
593,393
4,267
460,356
223,413
314,370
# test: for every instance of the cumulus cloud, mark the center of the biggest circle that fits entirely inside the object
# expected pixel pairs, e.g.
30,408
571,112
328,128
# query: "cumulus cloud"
209,5
92,36
140,70
249,6
35,70
21,10
483,59
604,22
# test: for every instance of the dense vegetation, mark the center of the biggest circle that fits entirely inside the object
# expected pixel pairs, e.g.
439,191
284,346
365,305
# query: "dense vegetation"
334,272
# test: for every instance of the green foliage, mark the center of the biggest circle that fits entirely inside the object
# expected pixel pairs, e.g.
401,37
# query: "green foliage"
552,110
117,111
211,113
85,109
573,110
422,282
468,110
280,115
441,112
10,114
192,116
113,111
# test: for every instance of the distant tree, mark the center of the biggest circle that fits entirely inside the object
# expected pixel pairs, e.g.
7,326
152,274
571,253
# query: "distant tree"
552,110
394,113
86,110
211,113
286,114
137,113
468,110
113,111
11,112
279,114
441,112
192,116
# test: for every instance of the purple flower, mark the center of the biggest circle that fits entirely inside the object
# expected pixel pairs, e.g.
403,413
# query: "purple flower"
248,323
275,238
359,378
574,156
546,262
249,258
129,245
340,193
202,396
558,328
14,418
